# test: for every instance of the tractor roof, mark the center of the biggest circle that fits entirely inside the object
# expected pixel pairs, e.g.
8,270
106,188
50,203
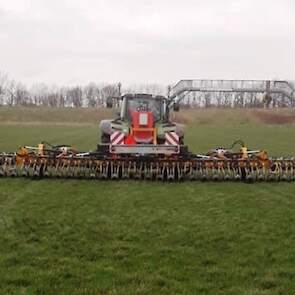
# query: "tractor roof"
144,95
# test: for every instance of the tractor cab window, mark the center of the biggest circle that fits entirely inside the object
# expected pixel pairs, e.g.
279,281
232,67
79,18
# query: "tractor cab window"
145,105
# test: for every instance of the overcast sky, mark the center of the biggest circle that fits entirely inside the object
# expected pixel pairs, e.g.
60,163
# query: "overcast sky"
77,41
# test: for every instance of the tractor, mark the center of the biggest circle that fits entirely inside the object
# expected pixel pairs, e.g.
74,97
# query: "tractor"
142,127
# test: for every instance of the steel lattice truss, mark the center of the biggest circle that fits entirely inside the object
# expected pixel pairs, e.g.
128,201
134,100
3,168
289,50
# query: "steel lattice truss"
234,93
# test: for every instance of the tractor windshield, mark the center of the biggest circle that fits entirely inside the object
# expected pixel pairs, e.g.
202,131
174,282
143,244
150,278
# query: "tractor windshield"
145,105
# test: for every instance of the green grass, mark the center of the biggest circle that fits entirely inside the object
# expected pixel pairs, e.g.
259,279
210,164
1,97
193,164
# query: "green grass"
12,136
143,238
129,237
278,140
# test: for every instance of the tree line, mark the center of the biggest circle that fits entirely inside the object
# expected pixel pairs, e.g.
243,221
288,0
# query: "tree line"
15,93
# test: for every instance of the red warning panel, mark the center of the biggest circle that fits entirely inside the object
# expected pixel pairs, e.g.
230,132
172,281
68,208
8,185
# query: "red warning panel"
142,123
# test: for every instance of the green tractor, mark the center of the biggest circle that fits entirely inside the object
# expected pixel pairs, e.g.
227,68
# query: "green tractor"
142,126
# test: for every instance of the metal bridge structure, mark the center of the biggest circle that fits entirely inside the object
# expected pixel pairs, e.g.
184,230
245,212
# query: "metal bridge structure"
234,93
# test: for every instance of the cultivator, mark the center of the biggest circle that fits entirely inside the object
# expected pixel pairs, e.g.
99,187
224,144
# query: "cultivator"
142,143
218,165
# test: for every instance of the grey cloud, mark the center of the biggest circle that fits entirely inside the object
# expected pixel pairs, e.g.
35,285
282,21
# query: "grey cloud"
75,41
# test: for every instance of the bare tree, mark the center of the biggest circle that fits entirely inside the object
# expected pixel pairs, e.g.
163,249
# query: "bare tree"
110,90
11,93
91,94
3,86
62,96
22,95
74,97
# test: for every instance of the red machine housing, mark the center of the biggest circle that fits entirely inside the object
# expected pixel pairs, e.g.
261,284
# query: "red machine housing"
142,128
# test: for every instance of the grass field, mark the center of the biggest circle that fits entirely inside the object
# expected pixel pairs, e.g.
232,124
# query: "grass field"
129,237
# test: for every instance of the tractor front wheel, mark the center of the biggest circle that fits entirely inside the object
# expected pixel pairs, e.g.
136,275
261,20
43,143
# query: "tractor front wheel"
105,138
181,140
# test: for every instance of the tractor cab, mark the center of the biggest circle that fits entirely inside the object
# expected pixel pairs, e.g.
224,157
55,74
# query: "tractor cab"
141,112
135,104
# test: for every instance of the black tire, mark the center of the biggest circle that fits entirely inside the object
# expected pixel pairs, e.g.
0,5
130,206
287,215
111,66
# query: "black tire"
243,174
105,138
184,150
161,140
181,140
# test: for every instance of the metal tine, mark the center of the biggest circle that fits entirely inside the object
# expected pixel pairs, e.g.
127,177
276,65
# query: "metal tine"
86,170
228,173
139,170
160,172
191,173
95,170
182,169
71,170
153,170
286,171
126,170
105,168
82,170
114,170
92,170
25,170
147,171
2,166
133,170
170,172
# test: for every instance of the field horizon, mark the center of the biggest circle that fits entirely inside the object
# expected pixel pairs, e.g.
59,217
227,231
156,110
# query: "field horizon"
41,114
